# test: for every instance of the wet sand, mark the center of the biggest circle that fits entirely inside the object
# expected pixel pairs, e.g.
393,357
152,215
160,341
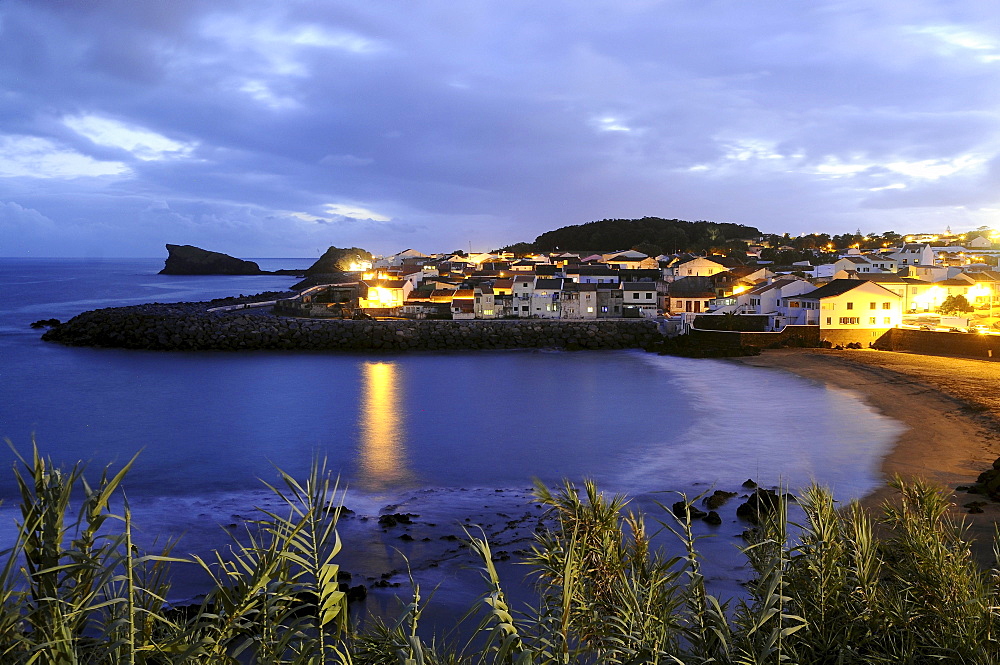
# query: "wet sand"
950,406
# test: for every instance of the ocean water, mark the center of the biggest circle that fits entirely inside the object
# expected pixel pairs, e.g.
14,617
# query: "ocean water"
448,435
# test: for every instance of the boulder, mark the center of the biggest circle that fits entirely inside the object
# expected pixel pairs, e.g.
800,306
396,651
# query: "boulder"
717,499
759,505
190,260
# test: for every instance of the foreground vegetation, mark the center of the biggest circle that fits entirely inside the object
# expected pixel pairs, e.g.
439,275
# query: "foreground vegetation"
847,589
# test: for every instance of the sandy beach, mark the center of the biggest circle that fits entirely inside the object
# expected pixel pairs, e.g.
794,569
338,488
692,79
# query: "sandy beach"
950,406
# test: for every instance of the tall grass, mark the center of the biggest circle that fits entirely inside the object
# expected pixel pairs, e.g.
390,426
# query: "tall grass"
843,587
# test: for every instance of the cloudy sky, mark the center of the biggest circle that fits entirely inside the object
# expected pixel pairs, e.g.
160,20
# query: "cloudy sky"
281,128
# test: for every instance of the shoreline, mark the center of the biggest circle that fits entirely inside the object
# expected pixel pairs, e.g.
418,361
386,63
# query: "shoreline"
950,408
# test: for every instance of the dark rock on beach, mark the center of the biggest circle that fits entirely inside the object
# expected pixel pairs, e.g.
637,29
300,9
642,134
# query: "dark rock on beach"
191,260
46,323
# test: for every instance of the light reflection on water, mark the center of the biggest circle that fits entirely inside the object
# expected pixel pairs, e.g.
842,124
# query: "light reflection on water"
380,427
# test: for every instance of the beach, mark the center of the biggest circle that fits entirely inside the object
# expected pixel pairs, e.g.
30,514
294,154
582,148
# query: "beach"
950,407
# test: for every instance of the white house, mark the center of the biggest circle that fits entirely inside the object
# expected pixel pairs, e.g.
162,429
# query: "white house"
697,267
545,298
852,310
765,298
913,254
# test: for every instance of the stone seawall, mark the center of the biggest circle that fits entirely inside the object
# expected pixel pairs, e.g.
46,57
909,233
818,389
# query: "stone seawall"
188,327
929,342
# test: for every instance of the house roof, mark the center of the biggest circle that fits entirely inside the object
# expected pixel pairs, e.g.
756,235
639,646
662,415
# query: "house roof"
591,271
384,283
882,278
638,286
838,287
984,276
550,284
692,287
776,284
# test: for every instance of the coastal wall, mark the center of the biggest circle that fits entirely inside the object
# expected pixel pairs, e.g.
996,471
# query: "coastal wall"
808,335
930,342
188,327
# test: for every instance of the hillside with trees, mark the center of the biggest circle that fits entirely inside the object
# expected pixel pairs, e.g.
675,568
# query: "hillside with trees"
649,235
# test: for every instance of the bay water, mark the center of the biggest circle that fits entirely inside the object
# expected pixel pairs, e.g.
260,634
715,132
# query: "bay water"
455,438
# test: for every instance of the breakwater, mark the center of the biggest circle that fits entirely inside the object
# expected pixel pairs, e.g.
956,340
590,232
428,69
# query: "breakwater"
189,327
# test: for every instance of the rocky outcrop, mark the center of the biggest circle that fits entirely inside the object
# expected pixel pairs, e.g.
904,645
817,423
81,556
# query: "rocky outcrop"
189,326
191,260
337,260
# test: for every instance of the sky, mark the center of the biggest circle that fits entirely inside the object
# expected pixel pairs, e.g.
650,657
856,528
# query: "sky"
270,129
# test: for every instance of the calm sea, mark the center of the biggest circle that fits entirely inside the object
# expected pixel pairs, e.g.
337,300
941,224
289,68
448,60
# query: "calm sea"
445,434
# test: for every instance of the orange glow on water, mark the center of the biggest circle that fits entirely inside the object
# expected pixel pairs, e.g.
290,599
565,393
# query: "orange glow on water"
380,424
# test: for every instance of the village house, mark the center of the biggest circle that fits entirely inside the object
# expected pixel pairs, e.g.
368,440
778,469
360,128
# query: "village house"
383,294
600,274
485,303
579,301
912,254
690,294
640,294
700,266
849,310
545,298
609,301
628,260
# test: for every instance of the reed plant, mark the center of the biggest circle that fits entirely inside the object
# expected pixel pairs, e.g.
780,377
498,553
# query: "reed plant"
841,587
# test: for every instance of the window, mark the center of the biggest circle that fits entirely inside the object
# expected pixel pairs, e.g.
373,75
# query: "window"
872,320
635,295
649,296
829,321
872,305
590,310
850,305
887,305
524,308
849,320
604,309
888,320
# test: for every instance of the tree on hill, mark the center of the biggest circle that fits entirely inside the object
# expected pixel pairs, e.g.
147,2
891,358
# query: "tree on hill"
669,235
955,305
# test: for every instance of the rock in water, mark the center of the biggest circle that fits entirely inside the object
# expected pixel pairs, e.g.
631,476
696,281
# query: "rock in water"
190,260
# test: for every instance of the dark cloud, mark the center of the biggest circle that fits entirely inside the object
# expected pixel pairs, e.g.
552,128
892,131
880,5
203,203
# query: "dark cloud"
269,128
